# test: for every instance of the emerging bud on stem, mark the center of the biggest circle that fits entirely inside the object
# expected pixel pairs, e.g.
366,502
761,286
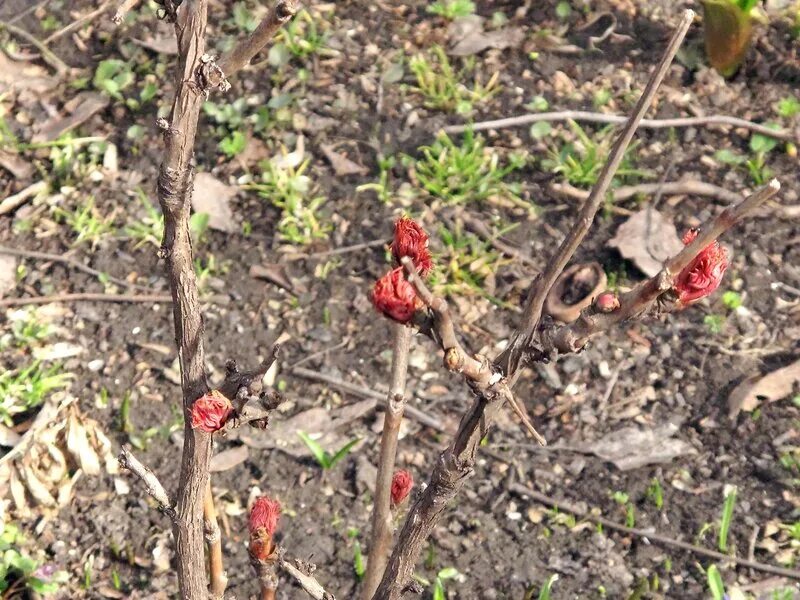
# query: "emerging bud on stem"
606,302
395,297
263,523
211,411
402,482
704,274
412,241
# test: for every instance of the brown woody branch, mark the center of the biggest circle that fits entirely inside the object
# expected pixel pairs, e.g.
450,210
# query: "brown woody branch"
124,8
382,525
217,74
217,574
455,464
302,573
509,360
153,486
573,337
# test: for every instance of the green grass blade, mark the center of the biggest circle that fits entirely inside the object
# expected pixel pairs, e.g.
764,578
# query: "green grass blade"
715,584
544,593
318,451
342,452
727,518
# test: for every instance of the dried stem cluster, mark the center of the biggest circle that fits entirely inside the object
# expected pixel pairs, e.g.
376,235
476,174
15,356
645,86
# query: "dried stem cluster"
490,381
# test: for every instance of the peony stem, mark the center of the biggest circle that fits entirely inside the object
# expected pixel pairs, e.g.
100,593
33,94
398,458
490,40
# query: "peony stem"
382,526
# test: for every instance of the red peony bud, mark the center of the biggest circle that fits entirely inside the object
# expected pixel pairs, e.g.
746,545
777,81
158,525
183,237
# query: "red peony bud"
211,411
607,302
410,240
395,297
402,482
263,522
704,274
264,515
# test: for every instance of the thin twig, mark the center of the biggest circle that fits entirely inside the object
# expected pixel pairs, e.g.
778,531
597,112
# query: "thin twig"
382,522
358,390
306,581
217,574
594,117
51,59
11,203
78,23
87,297
124,9
509,360
217,74
561,505
35,255
674,188
128,461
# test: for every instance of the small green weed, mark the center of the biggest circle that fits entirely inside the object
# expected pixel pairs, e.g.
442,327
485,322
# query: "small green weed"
788,107
301,37
727,519
288,190
149,228
715,584
714,323
466,262
28,387
26,330
623,500
655,493
112,77
547,588
382,187
581,161
325,459
756,164
359,568
86,222
19,570
452,9
467,171
440,84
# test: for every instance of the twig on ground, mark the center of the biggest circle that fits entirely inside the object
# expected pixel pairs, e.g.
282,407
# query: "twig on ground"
12,203
128,461
305,579
87,297
32,254
124,9
358,390
509,360
382,522
61,68
561,505
594,117
79,22
217,574
674,188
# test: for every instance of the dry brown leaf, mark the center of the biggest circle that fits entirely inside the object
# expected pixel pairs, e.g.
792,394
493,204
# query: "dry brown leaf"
212,196
630,447
82,108
342,165
38,490
468,36
80,448
771,387
227,459
647,239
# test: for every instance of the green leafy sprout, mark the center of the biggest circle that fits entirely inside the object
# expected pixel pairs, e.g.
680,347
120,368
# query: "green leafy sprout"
288,189
325,459
467,172
18,569
726,520
440,84
452,9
